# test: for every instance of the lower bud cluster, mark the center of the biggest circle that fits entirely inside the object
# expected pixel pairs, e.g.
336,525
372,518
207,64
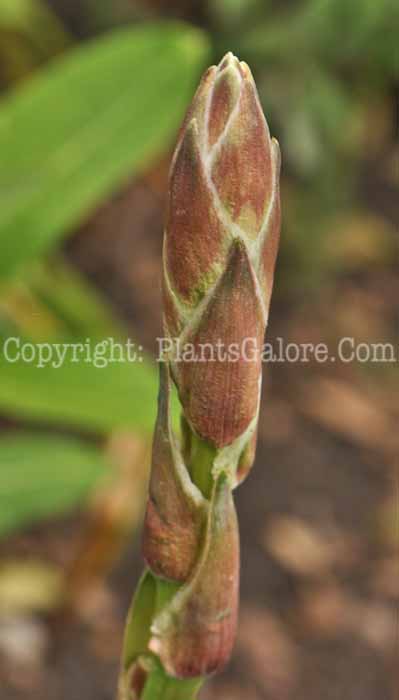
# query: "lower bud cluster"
192,540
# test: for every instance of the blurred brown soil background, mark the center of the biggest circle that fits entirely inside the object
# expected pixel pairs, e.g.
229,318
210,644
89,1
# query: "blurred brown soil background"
319,513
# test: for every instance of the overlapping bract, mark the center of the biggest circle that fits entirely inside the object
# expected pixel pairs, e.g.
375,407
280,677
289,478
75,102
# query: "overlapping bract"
193,540
220,248
221,244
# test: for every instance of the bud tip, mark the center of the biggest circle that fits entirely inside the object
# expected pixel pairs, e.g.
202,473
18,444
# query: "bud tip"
228,60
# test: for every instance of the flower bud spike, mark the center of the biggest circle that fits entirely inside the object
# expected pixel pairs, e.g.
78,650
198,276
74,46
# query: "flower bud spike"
220,248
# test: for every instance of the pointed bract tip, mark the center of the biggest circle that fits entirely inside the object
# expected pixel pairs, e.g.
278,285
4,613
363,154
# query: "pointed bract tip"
189,142
209,73
276,152
228,60
245,71
187,146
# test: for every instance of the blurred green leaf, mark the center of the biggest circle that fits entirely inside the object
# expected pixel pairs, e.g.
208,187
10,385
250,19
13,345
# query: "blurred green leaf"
55,303
57,306
41,475
121,395
30,33
84,125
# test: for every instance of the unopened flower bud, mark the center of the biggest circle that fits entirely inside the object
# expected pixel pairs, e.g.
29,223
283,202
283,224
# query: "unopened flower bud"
221,244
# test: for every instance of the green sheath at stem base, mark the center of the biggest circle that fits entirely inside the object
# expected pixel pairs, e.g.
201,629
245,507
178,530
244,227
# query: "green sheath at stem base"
159,686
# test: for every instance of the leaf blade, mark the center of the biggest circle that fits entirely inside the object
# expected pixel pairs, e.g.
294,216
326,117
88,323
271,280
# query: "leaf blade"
80,128
44,474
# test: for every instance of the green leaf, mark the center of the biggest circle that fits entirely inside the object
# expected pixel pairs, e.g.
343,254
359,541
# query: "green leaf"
58,307
77,394
55,303
137,632
160,686
41,475
81,127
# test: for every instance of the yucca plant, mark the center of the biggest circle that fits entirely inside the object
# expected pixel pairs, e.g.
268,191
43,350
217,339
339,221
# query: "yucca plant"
220,248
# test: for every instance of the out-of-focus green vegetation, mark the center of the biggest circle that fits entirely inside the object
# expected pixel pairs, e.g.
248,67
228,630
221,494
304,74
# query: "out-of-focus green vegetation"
54,304
80,118
325,71
44,474
30,33
78,129
69,136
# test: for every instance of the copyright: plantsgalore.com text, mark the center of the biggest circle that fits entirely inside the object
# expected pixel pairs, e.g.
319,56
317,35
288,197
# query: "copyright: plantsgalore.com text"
109,351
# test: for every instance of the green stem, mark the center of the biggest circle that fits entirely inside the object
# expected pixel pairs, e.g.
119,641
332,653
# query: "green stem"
160,686
202,456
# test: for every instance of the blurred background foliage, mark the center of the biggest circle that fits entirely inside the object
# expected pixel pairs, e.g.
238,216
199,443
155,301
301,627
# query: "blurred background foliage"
78,118
70,134
92,94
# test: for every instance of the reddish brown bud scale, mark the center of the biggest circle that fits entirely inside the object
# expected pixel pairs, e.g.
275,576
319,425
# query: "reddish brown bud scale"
175,512
224,98
234,313
137,681
241,171
198,106
195,634
195,242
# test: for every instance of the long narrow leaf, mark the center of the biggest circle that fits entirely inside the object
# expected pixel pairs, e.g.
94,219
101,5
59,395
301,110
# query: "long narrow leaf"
57,307
83,125
44,475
